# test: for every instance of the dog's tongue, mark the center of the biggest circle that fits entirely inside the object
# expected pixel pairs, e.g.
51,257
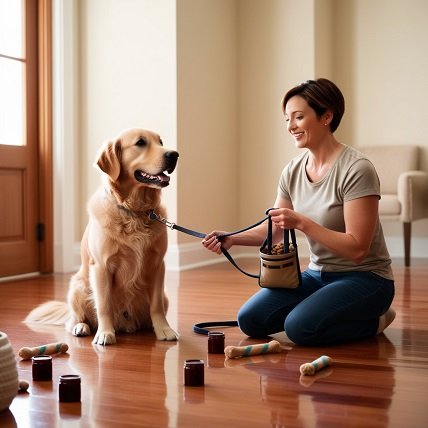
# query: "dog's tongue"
164,178
160,179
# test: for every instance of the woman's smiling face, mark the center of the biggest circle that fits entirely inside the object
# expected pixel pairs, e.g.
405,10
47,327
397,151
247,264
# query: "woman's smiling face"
303,123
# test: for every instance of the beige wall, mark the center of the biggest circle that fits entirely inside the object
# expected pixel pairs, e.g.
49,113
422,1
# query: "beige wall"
275,53
207,115
380,62
209,75
127,79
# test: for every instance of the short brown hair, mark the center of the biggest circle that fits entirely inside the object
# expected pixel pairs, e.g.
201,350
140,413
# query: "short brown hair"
321,95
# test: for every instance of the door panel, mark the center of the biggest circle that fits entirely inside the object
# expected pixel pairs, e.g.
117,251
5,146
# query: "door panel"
11,190
18,212
19,187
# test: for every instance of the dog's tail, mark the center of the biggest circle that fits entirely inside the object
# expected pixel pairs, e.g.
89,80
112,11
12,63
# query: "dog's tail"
52,312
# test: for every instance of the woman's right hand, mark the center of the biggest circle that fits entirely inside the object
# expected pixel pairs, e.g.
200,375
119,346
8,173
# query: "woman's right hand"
213,243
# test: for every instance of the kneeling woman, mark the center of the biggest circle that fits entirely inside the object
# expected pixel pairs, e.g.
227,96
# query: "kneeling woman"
330,192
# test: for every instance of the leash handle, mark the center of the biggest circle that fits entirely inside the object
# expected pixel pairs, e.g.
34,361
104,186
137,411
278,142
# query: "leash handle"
232,261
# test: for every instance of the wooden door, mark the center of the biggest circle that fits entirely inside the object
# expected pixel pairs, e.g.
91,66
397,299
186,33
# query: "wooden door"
21,230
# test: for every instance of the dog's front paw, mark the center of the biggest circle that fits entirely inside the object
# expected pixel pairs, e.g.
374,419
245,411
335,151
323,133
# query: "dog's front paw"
165,333
104,338
81,329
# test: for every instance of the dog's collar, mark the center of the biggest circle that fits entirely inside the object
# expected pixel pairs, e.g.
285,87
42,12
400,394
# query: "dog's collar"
125,209
143,214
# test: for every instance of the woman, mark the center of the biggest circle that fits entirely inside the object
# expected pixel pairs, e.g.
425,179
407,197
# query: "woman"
330,192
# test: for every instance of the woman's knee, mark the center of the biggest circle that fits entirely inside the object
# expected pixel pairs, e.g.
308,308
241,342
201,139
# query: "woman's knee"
244,321
298,331
249,324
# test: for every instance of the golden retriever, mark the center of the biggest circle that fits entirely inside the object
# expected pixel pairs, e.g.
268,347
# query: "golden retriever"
120,284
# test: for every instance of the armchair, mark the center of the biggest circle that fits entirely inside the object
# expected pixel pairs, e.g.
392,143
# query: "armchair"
404,188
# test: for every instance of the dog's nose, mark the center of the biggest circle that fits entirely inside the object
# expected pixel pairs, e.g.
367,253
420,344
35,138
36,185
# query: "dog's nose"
171,157
171,154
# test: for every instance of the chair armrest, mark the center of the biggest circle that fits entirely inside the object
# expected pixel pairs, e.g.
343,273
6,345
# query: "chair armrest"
413,195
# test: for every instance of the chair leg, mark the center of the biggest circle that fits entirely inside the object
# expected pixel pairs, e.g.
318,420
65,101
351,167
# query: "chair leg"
407,232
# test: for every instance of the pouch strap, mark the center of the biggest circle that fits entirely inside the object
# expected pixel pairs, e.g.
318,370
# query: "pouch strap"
269,236
268,243
252,275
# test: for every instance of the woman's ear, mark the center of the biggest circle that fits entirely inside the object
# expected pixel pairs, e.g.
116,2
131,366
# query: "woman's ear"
327,117
109,157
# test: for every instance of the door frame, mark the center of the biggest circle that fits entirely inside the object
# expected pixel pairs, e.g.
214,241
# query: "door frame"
65,135
45,149
42,133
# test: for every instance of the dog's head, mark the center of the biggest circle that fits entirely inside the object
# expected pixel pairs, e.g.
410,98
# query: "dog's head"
138,154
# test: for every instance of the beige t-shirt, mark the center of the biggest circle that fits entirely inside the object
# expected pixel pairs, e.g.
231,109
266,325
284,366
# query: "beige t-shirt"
352,176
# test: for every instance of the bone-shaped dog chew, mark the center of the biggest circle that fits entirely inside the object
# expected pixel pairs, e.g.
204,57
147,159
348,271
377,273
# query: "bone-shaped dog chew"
244,351
49,349
309,369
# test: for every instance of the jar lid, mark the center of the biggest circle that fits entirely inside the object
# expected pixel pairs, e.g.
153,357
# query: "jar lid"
194,362
215,334
72,378
41,358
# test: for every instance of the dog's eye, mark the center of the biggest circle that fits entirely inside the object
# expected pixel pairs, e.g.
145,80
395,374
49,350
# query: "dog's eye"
161,142
141,142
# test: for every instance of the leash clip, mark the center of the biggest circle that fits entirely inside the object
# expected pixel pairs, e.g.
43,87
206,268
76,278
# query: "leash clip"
167,223
154,216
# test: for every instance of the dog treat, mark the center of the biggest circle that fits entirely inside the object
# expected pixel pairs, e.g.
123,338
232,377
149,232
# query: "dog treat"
248,361
49,349
278,249
309,369
244,351
307,381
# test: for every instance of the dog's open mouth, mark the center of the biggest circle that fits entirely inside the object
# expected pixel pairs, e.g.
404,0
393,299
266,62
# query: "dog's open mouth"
159,180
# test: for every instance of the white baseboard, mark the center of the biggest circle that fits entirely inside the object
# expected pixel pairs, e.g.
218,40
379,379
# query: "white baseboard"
189,256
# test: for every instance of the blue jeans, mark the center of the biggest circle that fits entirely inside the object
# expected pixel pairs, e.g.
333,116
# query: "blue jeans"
327,309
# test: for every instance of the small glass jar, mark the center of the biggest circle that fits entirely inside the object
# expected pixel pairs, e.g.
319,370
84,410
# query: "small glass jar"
194,373
69,388
215,342
42,367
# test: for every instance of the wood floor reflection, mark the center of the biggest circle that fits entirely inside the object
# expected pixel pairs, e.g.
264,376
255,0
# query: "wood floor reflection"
381,382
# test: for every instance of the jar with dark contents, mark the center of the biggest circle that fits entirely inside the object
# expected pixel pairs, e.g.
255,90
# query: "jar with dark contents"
69,388
216,342
194,373
42,367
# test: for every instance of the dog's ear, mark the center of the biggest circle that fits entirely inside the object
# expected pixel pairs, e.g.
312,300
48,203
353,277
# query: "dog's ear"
108,159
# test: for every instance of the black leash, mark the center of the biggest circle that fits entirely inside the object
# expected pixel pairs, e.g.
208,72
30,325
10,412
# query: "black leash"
173,226
201,328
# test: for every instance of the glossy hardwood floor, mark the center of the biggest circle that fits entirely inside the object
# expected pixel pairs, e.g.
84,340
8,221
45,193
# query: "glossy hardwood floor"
382,382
